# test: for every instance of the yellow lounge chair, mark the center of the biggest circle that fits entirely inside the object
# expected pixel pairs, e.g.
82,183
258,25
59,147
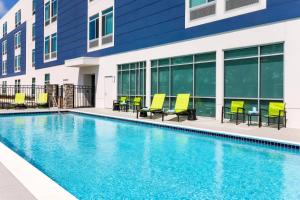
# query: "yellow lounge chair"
276,111
19,100
181,106
136,103
156,105
42,99
236,108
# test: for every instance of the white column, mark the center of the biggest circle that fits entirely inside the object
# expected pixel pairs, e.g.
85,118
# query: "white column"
148,83
219,83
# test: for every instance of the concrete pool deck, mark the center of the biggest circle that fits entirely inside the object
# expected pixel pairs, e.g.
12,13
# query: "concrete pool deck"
29,183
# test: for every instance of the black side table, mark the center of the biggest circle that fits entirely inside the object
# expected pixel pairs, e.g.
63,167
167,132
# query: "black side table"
250,115
191,114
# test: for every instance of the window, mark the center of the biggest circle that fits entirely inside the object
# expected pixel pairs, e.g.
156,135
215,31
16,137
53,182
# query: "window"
107,26
234,4
18,18
33,84
4,29
4,87
33,57
33,31
54,10
4,67
202,8
18,40
47,79
4,47
132,80
33,6
17,85
255,75
17,65
193,74
47,13
53,45
94,31
47,48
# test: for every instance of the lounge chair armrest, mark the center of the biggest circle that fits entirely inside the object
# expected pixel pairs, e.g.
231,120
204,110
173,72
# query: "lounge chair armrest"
243,109
282,111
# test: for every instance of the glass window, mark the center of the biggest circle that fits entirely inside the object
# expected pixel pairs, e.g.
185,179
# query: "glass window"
4,47
18,40
205,79
47,79
271,72
4,67
107,22
47,13
4,29
194,3
33,57
241,78
47,45
18,18
33,6
54,8
17,65
193,74
4,87
94,27
33,31
54,43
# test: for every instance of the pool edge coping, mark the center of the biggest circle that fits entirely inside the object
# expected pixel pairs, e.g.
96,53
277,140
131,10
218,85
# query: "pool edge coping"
239,136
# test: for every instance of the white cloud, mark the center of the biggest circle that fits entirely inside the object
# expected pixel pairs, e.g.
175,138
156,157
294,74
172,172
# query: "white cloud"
2,8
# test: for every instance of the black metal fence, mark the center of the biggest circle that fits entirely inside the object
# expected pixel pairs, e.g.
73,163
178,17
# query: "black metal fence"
82,96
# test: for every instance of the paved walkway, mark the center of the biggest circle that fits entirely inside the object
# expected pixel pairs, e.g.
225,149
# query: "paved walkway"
11,188
286,135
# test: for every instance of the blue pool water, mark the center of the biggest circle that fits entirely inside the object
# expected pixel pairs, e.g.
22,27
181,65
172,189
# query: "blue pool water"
99,158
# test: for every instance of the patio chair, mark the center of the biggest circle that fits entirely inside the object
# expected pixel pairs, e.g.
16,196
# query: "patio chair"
136,103
181,106
120,104
42,99
276,112
156,105
236,109
19,100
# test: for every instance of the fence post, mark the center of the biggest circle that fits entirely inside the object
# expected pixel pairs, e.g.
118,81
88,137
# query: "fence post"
68,96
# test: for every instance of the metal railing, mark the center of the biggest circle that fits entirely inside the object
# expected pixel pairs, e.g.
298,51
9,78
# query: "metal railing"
81,96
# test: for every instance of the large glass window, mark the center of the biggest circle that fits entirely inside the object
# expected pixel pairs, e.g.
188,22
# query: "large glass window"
18,40
54,43
4,29
54,8
33,57
4,87
132,80
4,47
47,13
4,67
254,75
193,74
33,6
107,22
17,65
94,27
18,18
47,48
47,79
33,31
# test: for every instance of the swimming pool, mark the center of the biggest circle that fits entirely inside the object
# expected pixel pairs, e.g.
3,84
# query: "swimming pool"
101,158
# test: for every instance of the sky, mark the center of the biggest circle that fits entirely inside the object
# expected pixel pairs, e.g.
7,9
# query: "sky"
5,5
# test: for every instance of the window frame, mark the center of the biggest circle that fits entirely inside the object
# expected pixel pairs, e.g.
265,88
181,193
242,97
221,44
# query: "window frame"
17,40
4,67
17,63
4,47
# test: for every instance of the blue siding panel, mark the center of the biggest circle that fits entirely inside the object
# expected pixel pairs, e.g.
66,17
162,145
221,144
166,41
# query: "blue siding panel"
11,51
146,23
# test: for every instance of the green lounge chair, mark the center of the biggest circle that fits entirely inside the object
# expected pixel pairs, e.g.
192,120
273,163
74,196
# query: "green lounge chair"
42,99
181,106
122,103
277,112
19,100
136,103
236,108
156,105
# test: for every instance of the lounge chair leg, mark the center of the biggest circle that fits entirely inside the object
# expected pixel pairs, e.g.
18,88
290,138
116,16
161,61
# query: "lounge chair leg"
162,117
222,117
236,118
279,123
178,118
